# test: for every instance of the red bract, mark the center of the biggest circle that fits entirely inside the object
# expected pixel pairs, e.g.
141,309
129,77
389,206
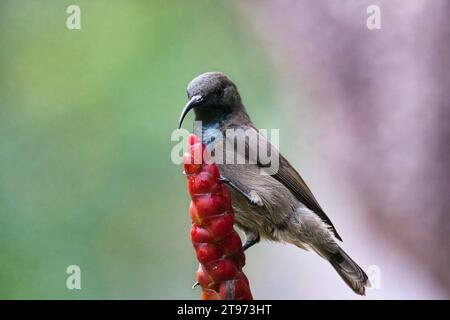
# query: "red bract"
217,245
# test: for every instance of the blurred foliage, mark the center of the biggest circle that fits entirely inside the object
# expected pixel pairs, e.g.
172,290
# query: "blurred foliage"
85,123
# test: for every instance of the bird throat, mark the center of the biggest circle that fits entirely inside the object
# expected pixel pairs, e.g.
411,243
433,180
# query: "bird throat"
211,114
208,122
209,132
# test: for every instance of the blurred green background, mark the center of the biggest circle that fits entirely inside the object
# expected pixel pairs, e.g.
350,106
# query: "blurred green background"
86,118
85,123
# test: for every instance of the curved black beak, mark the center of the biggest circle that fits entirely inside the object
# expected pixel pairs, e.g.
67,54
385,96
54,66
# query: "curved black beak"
192,103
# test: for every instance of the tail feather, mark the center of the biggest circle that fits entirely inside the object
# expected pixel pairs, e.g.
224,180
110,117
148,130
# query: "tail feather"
350,272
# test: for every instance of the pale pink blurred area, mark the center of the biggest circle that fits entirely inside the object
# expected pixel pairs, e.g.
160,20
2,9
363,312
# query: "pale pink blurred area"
369,130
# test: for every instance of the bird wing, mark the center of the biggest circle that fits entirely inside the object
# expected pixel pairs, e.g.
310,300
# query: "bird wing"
287,176
292,180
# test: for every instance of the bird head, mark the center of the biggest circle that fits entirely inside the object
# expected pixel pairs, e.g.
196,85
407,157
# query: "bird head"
213,96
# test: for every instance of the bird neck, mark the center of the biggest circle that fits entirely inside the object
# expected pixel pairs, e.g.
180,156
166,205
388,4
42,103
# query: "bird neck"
210,134
213,131
209,116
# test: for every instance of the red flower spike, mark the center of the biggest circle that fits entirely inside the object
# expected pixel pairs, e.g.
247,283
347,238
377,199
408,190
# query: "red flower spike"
238,258
211,204
208,252
212,170
209,294
203,277
202,183
222,270
200,234
195,218
193,139
234,289
232,244
217,245
221,226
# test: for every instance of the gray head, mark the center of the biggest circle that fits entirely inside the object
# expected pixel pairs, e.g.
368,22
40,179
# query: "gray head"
213,96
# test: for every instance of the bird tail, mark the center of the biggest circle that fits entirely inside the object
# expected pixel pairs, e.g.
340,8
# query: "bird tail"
353,275
321,240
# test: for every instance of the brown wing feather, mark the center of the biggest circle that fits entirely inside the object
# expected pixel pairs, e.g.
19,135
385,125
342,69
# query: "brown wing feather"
292,180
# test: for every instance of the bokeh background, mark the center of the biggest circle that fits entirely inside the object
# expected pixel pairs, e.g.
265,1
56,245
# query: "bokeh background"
86,117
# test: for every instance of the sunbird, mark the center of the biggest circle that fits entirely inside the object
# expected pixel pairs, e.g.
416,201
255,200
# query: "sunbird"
270,202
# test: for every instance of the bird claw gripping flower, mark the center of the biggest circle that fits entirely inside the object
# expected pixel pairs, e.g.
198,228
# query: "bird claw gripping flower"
217,245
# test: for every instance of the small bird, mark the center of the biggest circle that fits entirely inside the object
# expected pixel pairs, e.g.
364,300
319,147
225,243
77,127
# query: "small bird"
276,206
